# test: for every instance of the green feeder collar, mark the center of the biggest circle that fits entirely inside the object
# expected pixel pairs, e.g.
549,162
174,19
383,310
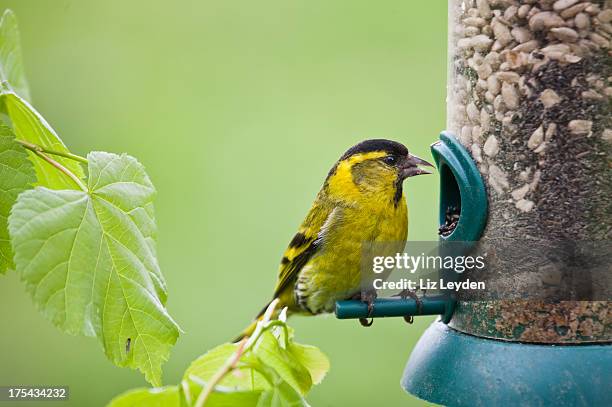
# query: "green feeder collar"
454,369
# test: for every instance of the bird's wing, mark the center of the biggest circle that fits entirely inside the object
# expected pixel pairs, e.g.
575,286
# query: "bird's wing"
307,241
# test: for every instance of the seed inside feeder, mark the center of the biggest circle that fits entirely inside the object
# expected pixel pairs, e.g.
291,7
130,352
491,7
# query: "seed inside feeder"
451,219
543,143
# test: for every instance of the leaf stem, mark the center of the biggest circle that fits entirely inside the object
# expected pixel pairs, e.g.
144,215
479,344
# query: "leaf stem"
36,147
229,364
42,153
63,169
272,324
244,345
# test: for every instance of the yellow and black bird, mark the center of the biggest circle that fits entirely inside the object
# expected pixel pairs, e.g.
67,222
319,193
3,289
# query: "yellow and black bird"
361,202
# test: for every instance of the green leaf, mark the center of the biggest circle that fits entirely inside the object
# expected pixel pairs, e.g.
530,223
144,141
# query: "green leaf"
12,73
16,175
88,260
229,398
243,378
270,372
283,362
282,395
312,359
144,397
233,399
30,126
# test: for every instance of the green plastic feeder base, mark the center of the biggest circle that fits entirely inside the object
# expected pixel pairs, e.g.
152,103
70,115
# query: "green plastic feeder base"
454,369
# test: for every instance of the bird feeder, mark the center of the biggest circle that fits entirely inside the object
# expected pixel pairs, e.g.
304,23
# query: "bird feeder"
526,159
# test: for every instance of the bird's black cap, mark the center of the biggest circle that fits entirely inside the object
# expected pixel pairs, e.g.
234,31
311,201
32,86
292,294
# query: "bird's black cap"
368,146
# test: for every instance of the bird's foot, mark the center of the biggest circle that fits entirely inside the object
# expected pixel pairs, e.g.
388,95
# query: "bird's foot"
366,322
419,305
368,297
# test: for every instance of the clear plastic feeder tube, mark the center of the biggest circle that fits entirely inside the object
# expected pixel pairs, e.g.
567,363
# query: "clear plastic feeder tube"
529,93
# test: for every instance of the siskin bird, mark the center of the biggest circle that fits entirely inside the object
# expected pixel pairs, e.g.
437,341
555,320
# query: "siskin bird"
361,202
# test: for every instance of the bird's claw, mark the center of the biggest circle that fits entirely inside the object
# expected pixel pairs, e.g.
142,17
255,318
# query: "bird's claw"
370,307
368,297
404,294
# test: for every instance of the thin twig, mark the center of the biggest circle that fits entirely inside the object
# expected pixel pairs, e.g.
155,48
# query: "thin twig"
42,153
36,147
229,364
244,345
63,169
262,323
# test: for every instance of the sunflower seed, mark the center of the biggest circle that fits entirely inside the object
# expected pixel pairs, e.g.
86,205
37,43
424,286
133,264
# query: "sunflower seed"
605,16
536,138
520,193
572,11
491,146
521,34
549,98
563,4
525,205
564,34
582,21
484,9
580,127
510,95
545,20
498,179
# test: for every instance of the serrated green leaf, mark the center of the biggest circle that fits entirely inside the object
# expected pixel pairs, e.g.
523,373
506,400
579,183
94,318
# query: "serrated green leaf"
206,365
87,259
282,395
30,126
270,352
312,359
243,378
16,175
12,73
144,397
271,357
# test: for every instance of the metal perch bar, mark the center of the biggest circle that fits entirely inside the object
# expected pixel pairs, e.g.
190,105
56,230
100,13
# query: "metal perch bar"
387,307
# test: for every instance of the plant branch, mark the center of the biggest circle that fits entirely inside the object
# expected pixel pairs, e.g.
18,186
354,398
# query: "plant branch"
36,147
260,325
63,169
42,153
244,345
229,364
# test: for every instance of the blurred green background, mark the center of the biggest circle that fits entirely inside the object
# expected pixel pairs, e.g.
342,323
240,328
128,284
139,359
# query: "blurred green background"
237,109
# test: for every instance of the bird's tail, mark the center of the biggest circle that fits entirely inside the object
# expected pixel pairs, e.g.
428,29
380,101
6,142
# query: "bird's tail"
248,331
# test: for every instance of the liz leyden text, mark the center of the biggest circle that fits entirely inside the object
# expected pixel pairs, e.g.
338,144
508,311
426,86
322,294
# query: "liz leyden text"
404,261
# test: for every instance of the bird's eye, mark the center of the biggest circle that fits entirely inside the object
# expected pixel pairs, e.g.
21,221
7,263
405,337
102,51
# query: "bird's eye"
390,160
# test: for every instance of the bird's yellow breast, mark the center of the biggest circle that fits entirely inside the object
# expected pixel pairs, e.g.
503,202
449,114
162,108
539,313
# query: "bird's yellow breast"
361,204
335,273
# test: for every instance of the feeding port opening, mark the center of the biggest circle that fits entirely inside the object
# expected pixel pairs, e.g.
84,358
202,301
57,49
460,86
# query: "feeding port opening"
450,201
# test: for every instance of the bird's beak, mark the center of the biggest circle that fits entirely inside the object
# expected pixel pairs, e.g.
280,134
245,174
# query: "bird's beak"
410,166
